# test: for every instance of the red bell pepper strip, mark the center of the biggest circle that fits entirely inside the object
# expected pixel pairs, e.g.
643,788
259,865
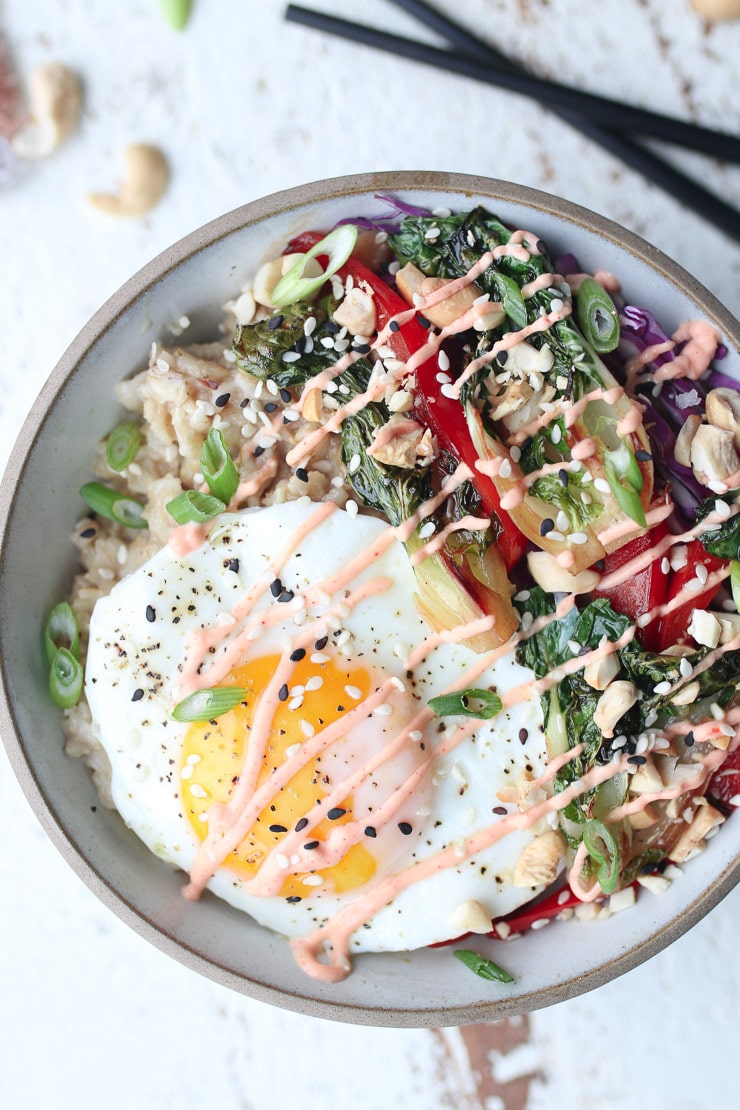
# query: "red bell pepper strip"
724,785
518,921
674,626
643,591
443,415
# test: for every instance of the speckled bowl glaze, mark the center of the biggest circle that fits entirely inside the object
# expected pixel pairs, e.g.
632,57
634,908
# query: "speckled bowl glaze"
38,503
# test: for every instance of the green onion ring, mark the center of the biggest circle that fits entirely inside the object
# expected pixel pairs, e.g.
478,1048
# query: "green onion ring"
602,849
597,316
114,505
65,679
123,445
218,467
485,969
205,705
61,630
192,507
293,286
481,704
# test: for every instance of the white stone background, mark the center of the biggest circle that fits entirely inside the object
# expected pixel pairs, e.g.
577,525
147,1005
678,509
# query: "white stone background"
243,104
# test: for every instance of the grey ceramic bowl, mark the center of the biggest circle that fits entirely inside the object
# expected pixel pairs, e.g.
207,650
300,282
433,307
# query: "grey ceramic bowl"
38,505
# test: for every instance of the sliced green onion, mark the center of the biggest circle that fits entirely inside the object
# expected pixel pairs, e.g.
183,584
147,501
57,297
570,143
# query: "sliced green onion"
113,504
205,705
597,316
218,467
625,480
293,286
123,445
193,507
735,582
176,12
486,969
61,631
602,848
65,679
482,704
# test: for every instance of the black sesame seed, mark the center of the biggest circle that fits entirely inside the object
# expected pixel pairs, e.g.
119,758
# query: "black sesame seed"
563,476
293,898
643,456
301,824
689,739
523,735
258,451
340,709
297,655
321,644
232,564
274,322
243,404
331,327
89,533
151,614
501,357
541,246
283,693
335,813
276,587
394,325
361,348
270,407
301,474
286,595
370,831
502,810
311,844
405,827
222,400
278,828
546,526
424,322
138,694
638,760
285,396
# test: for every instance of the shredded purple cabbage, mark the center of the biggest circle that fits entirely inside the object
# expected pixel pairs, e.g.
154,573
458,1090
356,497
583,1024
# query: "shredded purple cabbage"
567,264
389,223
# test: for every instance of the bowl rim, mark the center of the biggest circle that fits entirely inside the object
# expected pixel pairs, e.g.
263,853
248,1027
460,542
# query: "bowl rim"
92,332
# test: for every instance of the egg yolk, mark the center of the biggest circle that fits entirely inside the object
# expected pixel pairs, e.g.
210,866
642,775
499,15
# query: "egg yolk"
214,753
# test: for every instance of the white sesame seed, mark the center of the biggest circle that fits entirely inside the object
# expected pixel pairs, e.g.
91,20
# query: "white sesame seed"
415,735
354,464
665,564
290,356
685,667
556,536
443,379
186,773
448,391
702,573
662,688
722,509
432,233
319,657
307,728
313,880
292,750
383,710
578,537
266,441
351,508
198,791
523,595
163,365
540,923
309,325
562,523
353,692
602,485
505,469
295,703
443,361
516,453
556,435
314,683
282,861
427,530
106,574
291,415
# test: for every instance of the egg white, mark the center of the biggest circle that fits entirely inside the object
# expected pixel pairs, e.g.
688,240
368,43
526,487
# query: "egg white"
137,638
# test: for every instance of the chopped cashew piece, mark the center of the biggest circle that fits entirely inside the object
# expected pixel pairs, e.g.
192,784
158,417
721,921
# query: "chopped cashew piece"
311,409
146,178
713,454
412,282
602,671
687,695
55,96
729,624
471,917
693,839
540,861
548,573
723,411
704,628
616,700
717,9
646,780
684,439
357,312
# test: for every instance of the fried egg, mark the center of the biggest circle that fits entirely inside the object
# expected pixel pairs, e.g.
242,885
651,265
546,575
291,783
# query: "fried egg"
330,788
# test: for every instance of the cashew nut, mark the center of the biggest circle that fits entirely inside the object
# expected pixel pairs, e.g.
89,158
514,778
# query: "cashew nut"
411,282
693,839
540,861
602,671
471,917
682,446
704,628
55,96
616,700
548,573
723,410
713,454
146,178
717,9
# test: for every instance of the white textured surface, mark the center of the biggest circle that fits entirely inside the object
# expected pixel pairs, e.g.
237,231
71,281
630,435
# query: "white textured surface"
244,104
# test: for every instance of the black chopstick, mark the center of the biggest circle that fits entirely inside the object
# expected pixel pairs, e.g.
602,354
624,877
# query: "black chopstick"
608,113
672,181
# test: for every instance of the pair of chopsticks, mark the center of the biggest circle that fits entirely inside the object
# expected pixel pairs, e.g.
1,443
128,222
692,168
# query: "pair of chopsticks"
602,120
